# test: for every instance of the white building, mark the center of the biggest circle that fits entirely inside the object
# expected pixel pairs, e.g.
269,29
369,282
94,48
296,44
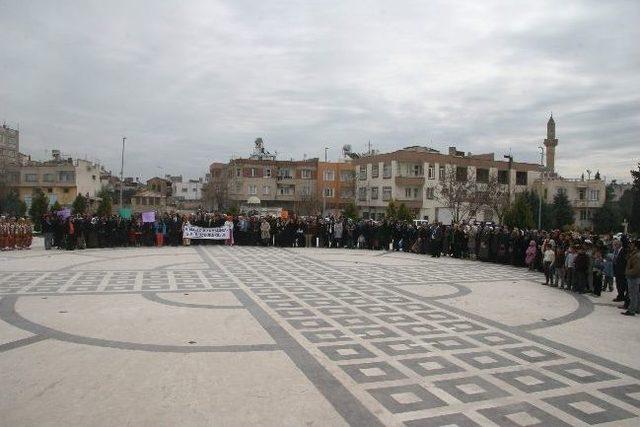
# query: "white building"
189,190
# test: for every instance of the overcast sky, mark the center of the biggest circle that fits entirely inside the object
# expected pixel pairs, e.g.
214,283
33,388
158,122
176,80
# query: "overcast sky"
192,82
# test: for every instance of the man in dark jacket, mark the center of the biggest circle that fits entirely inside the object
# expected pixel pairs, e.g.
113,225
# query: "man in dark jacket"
619,265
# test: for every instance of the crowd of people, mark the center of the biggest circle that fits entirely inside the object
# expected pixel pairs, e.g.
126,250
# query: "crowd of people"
15,234
579,262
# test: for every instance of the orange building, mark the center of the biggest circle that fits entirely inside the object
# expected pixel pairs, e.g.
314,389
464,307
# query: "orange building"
336,185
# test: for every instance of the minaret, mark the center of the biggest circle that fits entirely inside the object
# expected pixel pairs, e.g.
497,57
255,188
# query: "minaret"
550,143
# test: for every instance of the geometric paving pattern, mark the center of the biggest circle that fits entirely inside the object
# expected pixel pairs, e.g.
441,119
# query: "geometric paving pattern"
411,359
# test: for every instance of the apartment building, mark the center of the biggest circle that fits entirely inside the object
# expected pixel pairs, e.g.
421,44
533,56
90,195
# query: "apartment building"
336,185
61,179
412,176
261,181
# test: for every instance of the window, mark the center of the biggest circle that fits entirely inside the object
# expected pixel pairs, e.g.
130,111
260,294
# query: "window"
374,193
386,193
252,172
31,177
347,175
184,189
411,192
461,174
503,177
329,175
441,173
346,193
253,189
65,190
362,194
416,170
306,173
482,175
238,172
306,190
521,178
266,190
375,170
562,190
238,187
287,190
363,172
267,172
583,215
386,170
48,177
582,193
594,195
431,172
49,190
429,193
284,173
93,177
328,192
66,176
144,200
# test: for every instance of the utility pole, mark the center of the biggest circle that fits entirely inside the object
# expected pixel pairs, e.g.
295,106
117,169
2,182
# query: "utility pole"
124,138
510,157
324,190
541,189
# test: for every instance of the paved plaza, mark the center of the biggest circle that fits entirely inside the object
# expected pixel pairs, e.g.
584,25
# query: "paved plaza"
210,335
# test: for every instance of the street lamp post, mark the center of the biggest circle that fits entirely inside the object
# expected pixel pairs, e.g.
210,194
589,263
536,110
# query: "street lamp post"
124,138
324,190
541,189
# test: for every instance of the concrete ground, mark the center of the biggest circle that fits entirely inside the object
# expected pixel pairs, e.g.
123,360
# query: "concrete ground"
209,335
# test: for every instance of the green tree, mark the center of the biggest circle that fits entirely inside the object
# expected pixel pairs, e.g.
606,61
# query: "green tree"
392,211
39,206
534,202
351,211
11,205
520,213
561,212
104,207
607,219
56,207
634,219
79,205
403,213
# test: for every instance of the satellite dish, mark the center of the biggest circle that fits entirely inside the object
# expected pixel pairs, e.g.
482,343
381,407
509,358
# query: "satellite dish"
346,148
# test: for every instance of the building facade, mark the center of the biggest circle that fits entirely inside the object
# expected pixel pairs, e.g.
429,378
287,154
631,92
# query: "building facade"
261,181
186,190
414,175
61,179
336,185
9,150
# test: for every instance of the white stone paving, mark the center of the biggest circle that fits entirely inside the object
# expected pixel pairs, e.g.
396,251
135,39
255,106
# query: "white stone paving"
210,335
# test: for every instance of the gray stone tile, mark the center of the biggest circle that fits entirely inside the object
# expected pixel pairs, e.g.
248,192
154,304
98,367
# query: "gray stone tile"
325,336
437,316
580,373
494,339
449,343
336,311
372,372
449,420
312,323
400,347
532,354
431,366
588,408
398,318
342,352
354,321
462,326
624,393
485,360
521,414
376,332
406,398
529,380
377,309
295,312
471,389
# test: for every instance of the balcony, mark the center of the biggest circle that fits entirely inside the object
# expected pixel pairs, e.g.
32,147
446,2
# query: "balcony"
410,203
585,203
410,181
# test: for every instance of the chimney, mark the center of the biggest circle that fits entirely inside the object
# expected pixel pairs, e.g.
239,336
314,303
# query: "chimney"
452,151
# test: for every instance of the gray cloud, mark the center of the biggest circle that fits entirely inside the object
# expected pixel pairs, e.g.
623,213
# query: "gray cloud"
191,83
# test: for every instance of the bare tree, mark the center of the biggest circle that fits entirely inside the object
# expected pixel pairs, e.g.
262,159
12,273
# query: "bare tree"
497,197
459,192
215,194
